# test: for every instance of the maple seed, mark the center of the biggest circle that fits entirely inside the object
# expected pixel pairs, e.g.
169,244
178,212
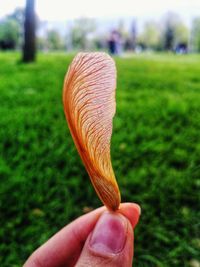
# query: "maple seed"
89,106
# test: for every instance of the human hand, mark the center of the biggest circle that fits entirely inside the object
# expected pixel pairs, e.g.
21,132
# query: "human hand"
99,238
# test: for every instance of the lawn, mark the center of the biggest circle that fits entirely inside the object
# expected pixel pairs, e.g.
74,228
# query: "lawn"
155,155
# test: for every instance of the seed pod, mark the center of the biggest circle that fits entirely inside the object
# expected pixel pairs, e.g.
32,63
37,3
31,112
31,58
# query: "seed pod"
89,106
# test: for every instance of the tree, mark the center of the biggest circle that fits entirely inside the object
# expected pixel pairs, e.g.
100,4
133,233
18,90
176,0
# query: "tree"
181,34
175,32
11,30
133,34
169,37
80,32
150,37
195,35
18,17
54,40
29,49
9,34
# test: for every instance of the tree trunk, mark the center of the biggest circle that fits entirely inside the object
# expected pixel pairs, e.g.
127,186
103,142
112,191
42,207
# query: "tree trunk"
29,49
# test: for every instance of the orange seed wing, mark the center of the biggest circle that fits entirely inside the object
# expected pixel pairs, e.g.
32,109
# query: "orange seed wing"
89,105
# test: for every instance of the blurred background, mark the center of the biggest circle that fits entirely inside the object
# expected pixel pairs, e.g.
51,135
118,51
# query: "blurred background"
155,144
155,26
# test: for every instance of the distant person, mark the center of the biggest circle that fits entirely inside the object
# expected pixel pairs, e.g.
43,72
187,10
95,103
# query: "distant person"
114,43
181,48
99,238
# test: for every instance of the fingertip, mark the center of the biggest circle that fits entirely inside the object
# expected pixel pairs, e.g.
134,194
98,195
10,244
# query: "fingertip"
131,211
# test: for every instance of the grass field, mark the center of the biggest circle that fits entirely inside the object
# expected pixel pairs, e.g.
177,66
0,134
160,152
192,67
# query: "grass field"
155,155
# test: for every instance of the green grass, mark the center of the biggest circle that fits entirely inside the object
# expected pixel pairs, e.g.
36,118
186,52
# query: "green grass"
155,155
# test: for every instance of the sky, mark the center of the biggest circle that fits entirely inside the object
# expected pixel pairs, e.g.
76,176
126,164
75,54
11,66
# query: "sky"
54,10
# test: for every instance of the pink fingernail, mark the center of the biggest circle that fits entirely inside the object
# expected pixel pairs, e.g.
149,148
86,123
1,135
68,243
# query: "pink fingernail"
109,235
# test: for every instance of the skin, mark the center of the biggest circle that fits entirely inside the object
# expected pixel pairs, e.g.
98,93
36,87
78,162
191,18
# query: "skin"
71,246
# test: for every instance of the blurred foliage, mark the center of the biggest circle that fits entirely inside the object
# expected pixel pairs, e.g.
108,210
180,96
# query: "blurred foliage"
155,155
9,34
181,34
80,31
174,32
54,40
150,37
169,33
196,34
11,30
18,16
51,41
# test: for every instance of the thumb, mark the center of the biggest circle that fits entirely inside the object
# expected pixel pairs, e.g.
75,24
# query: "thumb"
110,244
